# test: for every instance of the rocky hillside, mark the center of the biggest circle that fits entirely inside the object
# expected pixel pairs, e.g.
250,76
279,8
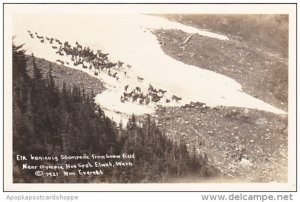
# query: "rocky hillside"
247,145
269,32
261,74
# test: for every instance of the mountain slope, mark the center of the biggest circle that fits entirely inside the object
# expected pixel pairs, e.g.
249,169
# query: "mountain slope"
131,44
244,144
261,74
149,65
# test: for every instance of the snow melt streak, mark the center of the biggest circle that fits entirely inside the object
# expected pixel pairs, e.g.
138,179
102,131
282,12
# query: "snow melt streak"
129,39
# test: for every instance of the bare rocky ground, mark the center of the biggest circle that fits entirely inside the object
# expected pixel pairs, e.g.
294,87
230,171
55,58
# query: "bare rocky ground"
245,145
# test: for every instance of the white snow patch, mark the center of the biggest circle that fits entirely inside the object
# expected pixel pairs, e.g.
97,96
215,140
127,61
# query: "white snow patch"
128,38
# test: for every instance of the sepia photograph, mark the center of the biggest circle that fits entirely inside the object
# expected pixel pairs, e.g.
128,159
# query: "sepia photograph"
150,95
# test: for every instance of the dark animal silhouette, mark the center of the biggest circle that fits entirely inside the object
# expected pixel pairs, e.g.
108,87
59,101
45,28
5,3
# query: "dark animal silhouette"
140,79
120,63
39,37
78,62
122,99
150,88
174,97
115,74
109,65
147,100
61,62
162,91
128,94
78,45
155,99
67,45
135,97
138,89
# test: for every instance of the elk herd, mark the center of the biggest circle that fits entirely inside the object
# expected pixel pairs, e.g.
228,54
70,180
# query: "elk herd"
98,61
151,95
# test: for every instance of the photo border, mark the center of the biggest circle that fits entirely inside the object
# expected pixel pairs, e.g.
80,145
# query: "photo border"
66,184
